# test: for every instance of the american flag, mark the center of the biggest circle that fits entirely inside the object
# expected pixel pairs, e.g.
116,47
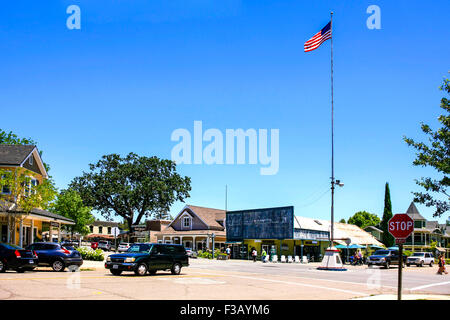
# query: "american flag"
319,38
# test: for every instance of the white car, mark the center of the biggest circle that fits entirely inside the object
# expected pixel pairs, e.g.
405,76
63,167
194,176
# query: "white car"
123,247
104,245
420,259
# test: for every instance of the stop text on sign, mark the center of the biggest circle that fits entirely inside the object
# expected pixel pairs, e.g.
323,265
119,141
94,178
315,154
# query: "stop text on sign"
400,225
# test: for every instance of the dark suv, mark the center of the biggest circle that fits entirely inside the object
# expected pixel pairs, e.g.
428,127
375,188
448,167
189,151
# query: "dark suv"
149,257
56,256
385,258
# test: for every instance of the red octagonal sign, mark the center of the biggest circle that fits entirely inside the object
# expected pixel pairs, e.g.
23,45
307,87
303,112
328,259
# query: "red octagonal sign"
401,226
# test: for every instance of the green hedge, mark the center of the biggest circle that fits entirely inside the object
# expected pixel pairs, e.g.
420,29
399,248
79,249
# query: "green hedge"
90,254
208,255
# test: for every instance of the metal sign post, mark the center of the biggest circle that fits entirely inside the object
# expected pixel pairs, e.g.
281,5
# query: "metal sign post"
400,227
115,231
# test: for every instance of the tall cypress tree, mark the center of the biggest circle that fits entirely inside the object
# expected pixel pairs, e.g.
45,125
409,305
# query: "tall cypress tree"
387,238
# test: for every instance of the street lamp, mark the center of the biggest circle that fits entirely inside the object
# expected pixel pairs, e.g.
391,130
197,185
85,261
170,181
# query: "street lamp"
213,236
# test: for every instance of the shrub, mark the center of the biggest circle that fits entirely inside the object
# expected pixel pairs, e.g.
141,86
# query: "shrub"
90,254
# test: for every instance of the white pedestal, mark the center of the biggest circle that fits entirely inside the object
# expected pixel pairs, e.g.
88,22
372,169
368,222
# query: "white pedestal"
332,260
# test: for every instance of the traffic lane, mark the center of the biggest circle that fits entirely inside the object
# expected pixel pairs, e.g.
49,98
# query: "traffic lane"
412,278
192,284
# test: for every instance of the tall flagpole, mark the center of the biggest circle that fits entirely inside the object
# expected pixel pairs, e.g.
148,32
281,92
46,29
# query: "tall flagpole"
332,139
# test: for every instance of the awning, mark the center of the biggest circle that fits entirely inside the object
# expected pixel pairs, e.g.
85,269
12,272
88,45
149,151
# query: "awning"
233,242
440,249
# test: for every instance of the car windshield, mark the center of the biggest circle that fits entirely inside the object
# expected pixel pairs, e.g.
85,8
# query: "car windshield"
138,248
418,254
381,253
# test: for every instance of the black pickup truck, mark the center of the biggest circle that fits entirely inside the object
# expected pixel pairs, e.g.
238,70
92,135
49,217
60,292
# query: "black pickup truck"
385,258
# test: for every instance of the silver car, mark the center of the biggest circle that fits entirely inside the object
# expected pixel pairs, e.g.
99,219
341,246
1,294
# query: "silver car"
123,247
420,259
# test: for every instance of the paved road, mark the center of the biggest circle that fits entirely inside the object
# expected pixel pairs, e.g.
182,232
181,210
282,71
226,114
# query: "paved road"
206,279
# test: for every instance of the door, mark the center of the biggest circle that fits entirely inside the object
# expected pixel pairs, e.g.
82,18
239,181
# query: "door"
4,233
168,255
156,258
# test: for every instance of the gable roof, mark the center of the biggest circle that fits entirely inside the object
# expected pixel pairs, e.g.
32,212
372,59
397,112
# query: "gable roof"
414,213
209,216
15,155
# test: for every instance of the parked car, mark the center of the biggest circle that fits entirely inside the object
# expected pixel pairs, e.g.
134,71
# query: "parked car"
56,256
94,245
123,247
420,258
72,244
149,257
104,245
191,253
16,258
385,258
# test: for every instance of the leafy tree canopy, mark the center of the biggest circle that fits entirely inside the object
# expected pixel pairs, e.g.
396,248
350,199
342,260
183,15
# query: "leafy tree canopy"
364,219
69,204
132,187
435,154
22,194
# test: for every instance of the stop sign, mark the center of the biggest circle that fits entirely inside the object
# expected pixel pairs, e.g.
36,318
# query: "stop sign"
401,226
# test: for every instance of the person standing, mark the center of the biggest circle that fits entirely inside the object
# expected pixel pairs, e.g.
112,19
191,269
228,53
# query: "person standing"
254,254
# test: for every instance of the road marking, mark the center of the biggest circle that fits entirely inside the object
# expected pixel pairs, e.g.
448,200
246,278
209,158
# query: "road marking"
431,285
299,284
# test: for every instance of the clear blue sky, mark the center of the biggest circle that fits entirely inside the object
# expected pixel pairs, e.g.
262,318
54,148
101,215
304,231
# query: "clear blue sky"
137,70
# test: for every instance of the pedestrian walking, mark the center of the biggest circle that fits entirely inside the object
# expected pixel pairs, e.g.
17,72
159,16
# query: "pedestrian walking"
263,255
228,251
442,269
254,254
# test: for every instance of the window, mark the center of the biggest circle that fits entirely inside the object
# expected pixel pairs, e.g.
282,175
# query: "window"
109,230
5,189
30,160
186,222
91,228
100,229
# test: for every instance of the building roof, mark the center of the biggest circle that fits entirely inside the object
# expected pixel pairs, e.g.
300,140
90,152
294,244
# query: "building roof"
14,155
341,230
209,216
374,228
356,234
414,213
105,223
48,214
311,224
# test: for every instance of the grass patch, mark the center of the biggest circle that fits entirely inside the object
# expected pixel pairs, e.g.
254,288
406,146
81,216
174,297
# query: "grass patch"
87,269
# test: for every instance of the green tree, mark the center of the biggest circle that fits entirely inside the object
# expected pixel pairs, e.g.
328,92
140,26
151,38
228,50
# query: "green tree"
435,154
69,204
364,219
23,195
132,187
342,220
387,239
12,138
